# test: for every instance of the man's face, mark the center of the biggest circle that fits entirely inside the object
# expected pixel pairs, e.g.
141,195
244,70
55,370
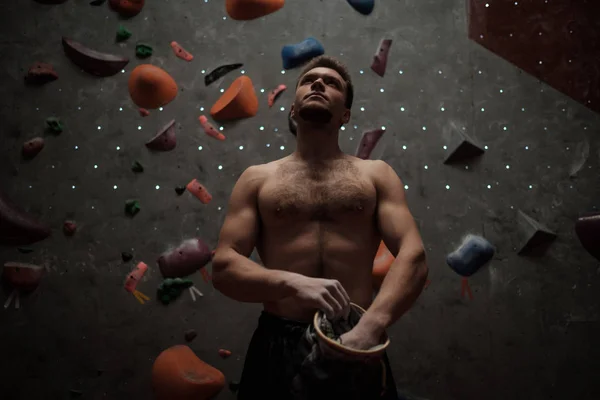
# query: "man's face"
321,97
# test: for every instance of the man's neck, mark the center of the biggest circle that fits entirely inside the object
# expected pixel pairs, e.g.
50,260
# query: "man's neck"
317,145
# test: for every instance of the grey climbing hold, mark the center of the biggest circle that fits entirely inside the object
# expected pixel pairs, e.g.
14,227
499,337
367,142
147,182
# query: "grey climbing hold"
462,148
535,237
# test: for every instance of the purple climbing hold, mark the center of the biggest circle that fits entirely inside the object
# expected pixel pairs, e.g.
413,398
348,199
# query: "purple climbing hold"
364,7
294,55
472,254
165,139
587,228
380,58
368,142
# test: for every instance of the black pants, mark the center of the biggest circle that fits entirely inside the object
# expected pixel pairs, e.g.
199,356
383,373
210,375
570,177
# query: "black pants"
280,366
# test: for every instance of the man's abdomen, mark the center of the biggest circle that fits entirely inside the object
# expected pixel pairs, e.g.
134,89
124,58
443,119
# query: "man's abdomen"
321,250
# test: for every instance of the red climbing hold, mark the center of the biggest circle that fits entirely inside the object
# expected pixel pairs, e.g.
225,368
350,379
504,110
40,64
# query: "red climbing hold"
209,129
40,73
380,58
32,147
181,52
273,94
368,142
198,190
144,112
69,227
24,277
127,8
224,353
135,276
465,288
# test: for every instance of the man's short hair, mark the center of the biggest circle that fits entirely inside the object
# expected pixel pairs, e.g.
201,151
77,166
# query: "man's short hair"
336,65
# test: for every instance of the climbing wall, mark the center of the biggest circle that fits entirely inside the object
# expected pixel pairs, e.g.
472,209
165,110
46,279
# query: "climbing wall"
496,164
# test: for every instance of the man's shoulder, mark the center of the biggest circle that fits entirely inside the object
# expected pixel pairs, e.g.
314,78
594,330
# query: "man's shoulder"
379,172
370,166
258,173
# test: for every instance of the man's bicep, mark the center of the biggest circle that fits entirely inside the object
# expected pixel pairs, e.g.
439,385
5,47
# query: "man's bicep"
240,228
396,224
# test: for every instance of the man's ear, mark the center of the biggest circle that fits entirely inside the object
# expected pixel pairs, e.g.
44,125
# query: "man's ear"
292,114
346,116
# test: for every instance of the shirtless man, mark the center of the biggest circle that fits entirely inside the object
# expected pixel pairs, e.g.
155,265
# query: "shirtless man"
316,218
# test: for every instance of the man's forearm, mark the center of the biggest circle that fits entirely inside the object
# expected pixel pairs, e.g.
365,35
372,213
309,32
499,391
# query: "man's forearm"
243,280
400,289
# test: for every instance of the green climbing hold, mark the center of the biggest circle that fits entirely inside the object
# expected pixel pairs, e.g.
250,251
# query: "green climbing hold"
143,50
170,289
25,250
54,125
123,34
165,299
137,167
132,207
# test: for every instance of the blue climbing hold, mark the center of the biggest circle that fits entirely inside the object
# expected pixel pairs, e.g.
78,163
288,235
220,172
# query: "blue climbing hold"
294,55
471,255
364,7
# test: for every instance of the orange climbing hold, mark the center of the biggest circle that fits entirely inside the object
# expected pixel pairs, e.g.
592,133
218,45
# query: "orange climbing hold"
179,374
381,264
198,190
209,129
151,86
181,52
238,101
273,94
244,10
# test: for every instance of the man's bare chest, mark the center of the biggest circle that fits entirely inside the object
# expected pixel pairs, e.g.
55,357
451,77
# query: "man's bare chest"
335,195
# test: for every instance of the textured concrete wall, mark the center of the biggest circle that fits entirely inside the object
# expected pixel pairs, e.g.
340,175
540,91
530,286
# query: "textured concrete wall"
529,332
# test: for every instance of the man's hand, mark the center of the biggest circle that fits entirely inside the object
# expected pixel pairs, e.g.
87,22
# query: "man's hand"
327,295
360,338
